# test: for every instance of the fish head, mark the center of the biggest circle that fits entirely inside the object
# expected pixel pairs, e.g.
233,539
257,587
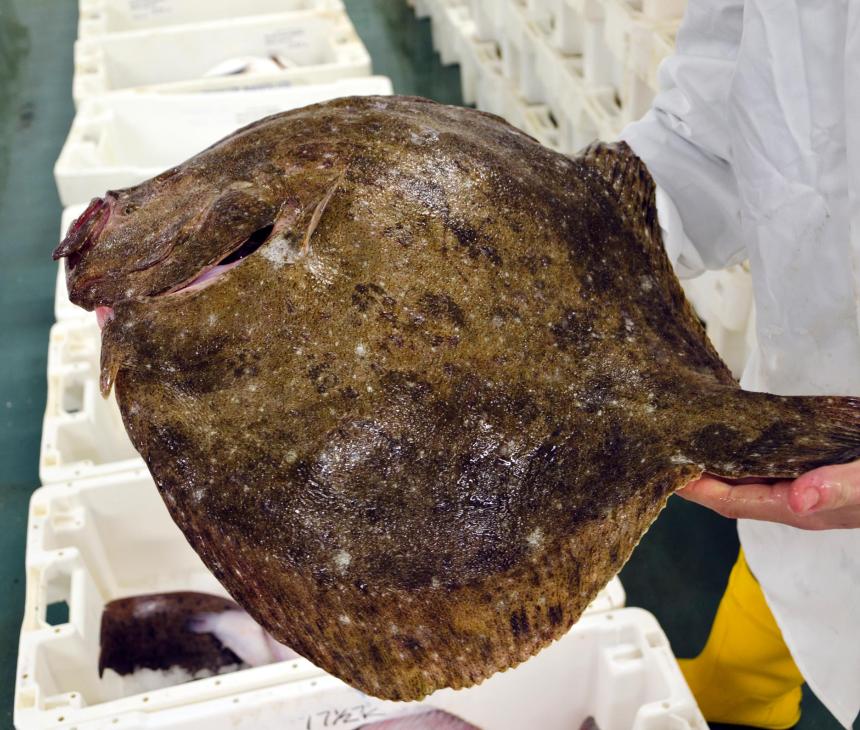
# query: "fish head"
159,236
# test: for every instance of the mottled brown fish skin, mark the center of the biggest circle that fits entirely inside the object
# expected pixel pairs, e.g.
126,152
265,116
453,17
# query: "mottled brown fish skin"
416,443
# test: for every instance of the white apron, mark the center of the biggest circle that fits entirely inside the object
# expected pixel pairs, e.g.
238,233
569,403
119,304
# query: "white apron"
754,142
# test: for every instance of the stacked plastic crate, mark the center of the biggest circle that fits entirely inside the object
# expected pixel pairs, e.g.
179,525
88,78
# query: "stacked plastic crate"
566,71
155,81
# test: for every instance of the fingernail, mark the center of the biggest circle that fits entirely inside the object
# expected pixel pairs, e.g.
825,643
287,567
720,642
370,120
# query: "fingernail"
809,499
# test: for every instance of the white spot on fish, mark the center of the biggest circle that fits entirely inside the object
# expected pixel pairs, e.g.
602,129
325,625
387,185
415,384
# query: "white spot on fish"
535,538
344,619
213,318
360,350
342,559
291,456
280,251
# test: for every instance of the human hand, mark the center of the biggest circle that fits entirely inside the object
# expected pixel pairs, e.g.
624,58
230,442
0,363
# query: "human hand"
826,498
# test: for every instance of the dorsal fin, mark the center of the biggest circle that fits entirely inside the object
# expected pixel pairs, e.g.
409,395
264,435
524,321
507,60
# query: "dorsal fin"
629,179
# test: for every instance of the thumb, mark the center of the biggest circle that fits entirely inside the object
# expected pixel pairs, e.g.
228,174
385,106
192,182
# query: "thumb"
826,488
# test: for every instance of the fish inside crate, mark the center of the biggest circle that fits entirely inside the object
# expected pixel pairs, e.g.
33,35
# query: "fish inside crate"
90,543
303,47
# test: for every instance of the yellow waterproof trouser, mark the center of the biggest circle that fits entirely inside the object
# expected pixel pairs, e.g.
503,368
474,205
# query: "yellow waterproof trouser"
745,674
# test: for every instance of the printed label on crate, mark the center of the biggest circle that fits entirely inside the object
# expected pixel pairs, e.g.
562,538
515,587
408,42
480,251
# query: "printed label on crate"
143,9
287,38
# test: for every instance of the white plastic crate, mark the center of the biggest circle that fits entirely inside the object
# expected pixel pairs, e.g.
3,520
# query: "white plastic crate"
663,9
449,25
565,23
662,45
582,110
487,18
94,540
639,40
519,46
623,22
421,8
63,308
485,83
605,114
316,46
82,433
542,125
97,17
445,16
477,60
482,76
593,63
123,138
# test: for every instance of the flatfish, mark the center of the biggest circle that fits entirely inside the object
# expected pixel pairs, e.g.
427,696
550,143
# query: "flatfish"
412,385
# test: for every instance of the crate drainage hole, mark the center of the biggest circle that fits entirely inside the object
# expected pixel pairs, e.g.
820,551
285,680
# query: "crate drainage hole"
73,397
57,613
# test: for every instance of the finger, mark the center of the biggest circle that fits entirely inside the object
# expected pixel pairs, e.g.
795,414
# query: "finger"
765,502
753,501
827,488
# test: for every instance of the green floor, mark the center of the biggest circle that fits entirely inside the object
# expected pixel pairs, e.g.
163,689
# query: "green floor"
679,570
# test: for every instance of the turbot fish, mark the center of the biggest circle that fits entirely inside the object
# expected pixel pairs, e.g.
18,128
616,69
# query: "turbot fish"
196,632
412,385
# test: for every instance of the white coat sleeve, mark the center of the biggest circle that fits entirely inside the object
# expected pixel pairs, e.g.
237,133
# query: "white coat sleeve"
684,141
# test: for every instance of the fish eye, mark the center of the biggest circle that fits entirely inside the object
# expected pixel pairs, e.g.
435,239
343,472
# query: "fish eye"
130,208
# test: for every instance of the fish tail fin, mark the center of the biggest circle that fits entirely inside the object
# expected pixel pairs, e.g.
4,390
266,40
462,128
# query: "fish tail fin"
780,437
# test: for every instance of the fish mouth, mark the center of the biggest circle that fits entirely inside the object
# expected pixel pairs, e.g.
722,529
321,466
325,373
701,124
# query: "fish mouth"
85,231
